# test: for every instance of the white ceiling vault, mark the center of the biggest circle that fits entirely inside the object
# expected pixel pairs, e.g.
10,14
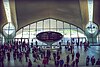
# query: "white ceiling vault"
24,12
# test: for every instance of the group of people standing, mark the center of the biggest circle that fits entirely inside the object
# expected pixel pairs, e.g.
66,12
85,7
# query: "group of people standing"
92,60
22,49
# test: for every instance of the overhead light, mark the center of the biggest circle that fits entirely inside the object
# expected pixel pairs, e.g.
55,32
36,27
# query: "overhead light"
90,9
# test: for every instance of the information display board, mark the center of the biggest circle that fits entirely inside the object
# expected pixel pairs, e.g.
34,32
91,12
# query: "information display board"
49,36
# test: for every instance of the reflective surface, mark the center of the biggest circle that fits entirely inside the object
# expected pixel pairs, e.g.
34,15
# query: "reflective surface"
94,50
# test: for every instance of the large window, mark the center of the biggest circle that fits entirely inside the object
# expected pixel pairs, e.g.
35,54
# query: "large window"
1,38
26,32
98,38
8,29
67,30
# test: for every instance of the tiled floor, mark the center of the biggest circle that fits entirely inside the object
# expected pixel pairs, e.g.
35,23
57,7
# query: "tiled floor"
93,50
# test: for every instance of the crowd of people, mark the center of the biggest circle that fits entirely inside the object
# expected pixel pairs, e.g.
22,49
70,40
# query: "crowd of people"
20,49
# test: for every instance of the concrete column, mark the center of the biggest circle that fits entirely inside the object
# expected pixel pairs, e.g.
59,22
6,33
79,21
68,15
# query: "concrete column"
92,37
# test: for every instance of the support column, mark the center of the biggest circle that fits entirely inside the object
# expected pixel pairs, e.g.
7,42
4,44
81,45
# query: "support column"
92,37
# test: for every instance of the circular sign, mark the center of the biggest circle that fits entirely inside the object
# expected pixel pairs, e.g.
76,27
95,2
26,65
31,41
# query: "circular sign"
49,36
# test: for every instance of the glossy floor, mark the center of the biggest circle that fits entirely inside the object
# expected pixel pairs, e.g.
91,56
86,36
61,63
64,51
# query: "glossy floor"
93,50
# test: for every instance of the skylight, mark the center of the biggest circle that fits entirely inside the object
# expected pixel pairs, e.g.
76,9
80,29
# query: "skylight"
90,10
7,9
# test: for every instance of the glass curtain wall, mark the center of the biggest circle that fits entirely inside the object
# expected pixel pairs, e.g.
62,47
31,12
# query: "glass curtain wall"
98,38
1,39
67,30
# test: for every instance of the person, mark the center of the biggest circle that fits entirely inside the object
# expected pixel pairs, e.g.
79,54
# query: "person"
36,43
68,59
77,43
77,60
92,60
32,43
71,48
78,54
1,60
44,61
98,62
20,56
73,63
38,65
48,54
60,48
65,65
58,57
85,48
8,55
72,55
14,55
54,55
87,60
81,44
26,55
57,63
29,63
61,63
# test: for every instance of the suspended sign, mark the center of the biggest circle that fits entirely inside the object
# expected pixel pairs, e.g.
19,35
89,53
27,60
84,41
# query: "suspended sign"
49,36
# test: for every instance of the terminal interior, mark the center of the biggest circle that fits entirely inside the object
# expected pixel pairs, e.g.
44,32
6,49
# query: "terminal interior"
22,20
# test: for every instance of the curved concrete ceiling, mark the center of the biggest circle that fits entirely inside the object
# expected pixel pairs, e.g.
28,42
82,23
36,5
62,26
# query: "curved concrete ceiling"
97,12
3,19
29,11
72,11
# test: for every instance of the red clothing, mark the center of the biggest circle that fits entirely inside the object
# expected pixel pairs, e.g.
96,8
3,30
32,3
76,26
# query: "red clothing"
44,61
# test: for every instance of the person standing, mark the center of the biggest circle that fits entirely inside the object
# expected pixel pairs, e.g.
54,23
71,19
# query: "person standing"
54,55
36,43
20,56
77,61
29,63
73,55
78,55
14,55
71,48
73,63
32,43
87,60
1,60
92,60
44,62
26,55
61,63
38,65
98,62
8,55
65,65
68,59
57,63
48,54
